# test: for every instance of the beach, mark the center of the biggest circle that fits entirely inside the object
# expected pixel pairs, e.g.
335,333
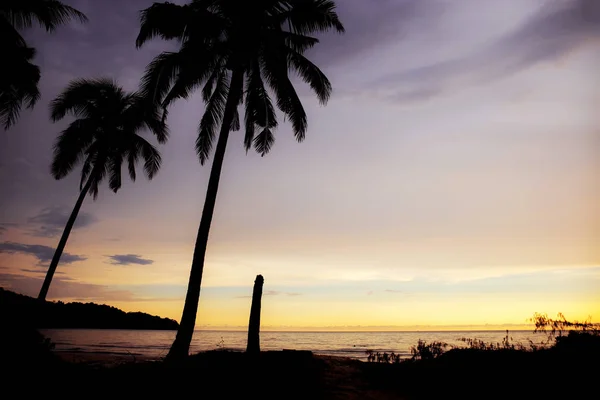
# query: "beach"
323,376
105,359
303,375
35,369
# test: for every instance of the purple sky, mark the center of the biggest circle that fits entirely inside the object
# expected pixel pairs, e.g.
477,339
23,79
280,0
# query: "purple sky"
456,164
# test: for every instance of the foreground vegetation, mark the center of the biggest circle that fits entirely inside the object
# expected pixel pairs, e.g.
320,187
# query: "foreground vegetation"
566,368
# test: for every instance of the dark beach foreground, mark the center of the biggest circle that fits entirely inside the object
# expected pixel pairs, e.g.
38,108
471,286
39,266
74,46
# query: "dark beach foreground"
32,369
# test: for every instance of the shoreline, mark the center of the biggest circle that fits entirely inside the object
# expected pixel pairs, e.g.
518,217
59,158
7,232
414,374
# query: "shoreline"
108,358
103,358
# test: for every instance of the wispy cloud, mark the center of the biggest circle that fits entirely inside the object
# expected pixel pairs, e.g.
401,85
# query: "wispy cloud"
51,221
4,226
43,253
42,271
129,259
273,293
552,33
64,288
371,24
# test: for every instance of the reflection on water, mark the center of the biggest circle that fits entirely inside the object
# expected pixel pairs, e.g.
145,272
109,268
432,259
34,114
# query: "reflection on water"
345,344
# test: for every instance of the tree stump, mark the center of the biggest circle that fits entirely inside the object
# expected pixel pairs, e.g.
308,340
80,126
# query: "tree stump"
253,346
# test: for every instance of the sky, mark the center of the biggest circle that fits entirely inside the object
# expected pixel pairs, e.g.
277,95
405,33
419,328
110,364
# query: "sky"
453,179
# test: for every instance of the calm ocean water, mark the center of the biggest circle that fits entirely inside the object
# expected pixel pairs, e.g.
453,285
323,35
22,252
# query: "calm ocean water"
156,344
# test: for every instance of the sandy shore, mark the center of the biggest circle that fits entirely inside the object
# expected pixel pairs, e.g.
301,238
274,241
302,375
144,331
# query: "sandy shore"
102,358
341,375
301,375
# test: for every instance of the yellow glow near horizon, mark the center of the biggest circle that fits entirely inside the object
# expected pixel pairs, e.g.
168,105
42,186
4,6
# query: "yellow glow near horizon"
309,314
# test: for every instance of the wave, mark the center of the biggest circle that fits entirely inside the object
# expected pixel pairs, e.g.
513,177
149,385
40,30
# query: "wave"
352,345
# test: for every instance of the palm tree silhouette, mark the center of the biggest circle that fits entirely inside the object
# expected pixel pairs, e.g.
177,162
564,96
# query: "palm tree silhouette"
103,136
19,78
18,83
230,48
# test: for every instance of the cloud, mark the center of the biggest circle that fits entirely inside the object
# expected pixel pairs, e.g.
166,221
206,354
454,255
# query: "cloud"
51,221
370,24
394,291
41,271
5,225
549,35
129,259
272,293
278,293
65,288
44,254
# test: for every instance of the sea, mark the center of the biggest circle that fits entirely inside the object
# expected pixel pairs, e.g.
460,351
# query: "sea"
155,344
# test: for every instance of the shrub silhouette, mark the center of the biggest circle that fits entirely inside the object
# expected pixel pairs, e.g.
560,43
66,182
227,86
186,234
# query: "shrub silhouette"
428,351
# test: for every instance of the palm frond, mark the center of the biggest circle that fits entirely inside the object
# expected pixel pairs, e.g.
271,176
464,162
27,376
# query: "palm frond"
48,13
250,132
194,69
213,115
259,108
293,108
94,168
150,155
11,102
70,146
195,21
115,161
109,137
264,141
132,158
85,171
165,20
297,42
9,35
139,112
160,75
207,90
101,169
278,34
312,75
235,122
310,16
275,69
18,85
82,97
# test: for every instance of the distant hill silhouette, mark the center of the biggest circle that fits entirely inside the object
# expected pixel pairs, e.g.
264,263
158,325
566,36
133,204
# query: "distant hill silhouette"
17,308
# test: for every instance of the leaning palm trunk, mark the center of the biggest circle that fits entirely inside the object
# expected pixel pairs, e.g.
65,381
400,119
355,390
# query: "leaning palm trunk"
63,240
181,345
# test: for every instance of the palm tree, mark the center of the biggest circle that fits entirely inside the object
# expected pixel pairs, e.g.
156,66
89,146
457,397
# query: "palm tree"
19,78
230,48
18,83
103,136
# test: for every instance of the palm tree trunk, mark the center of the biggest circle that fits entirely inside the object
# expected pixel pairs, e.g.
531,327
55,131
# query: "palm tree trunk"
63,240
181,346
